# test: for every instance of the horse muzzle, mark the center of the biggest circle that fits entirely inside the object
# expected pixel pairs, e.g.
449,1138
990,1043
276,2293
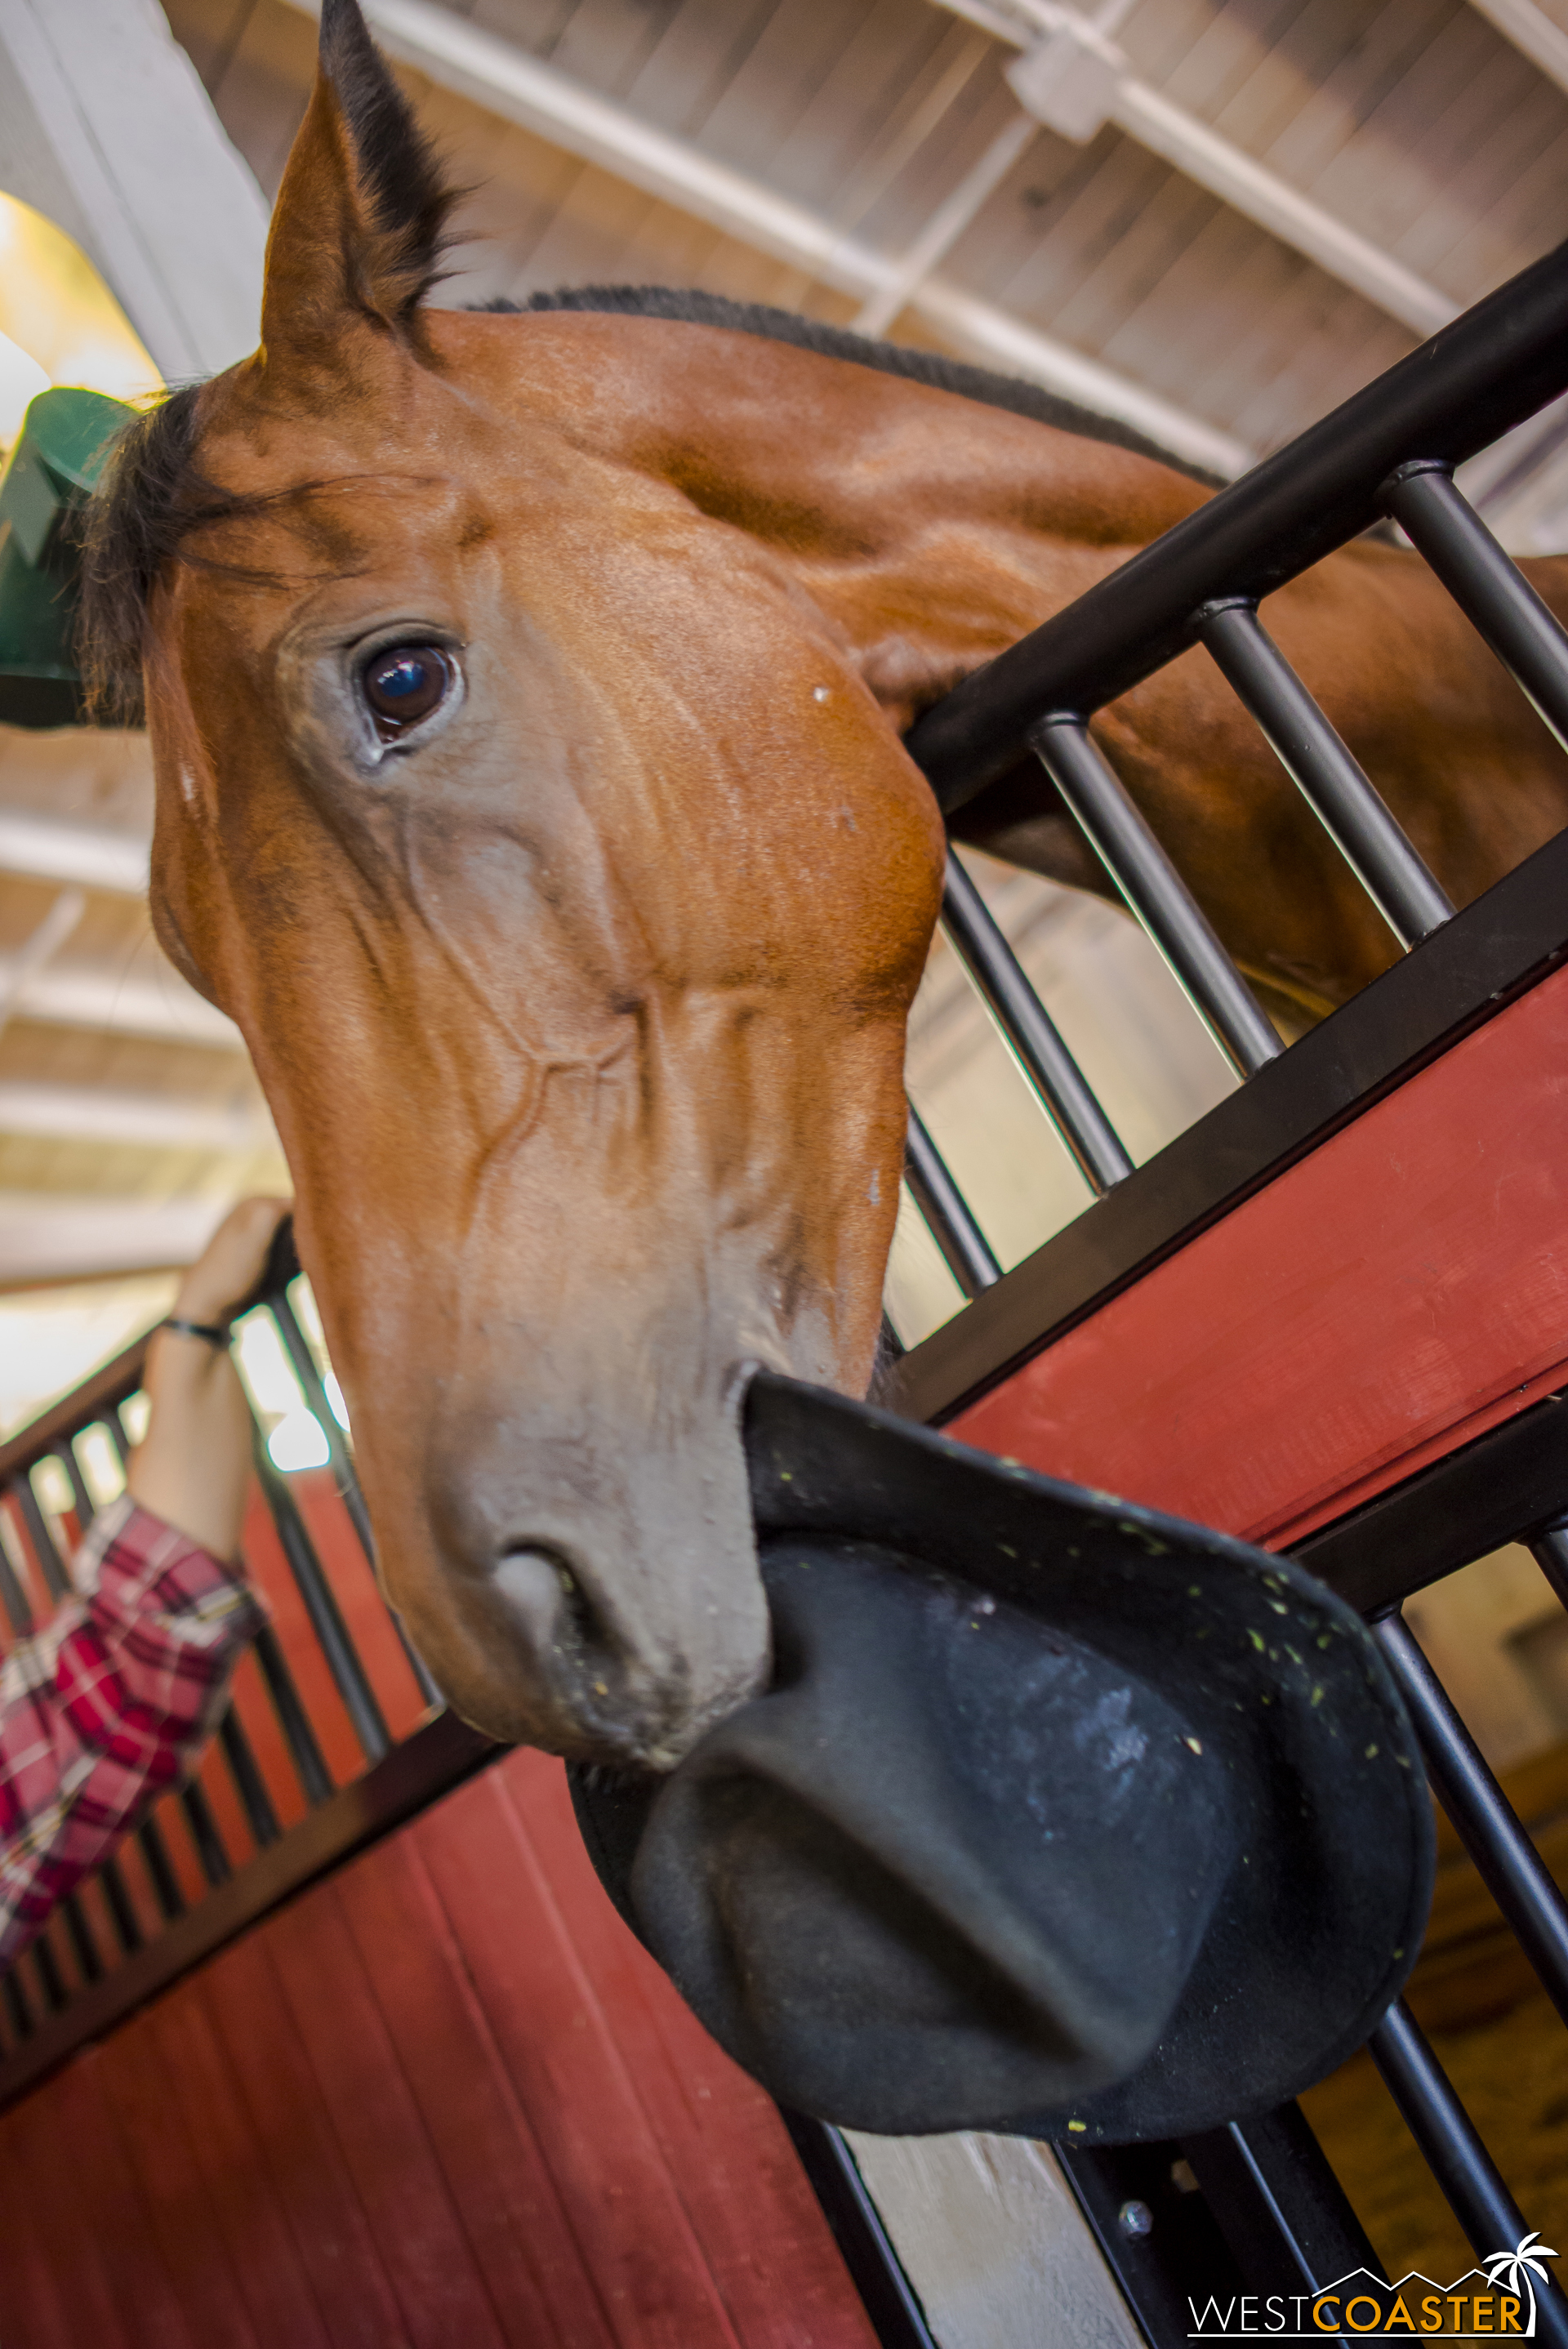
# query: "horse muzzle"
600,1600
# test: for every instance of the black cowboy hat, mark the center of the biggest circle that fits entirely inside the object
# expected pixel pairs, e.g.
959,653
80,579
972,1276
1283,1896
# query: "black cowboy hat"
1059,1817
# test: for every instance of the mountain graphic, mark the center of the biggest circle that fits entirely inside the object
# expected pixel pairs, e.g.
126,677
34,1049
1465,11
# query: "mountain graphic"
1360,2283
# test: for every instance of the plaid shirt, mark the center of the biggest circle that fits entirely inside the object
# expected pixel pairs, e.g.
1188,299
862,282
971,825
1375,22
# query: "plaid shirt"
110,1704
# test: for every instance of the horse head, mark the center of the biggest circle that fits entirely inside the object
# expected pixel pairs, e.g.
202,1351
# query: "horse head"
570,889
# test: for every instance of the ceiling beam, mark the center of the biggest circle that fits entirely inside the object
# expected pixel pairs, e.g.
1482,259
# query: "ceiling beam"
103,1113
44,1238
92,856
155,1004
1075,79
507,81
1531,32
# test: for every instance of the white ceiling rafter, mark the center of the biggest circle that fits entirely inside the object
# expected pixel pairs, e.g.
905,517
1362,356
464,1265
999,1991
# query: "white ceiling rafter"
45,1237
89,855
1074,78
155,1004
507,81
1532,32
108,1114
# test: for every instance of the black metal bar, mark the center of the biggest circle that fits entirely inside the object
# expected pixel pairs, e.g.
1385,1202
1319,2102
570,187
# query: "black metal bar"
1155,892
1330,781
210,1850
51,1981
1507,1861
127,1930
1549,1551
249,1783
1161,2239
1459,2162
66,1453
79,1933
1489,589
896,2316
310,1764
1447,988
161,1869
297,1348
1462,390
344,1475
1031,1034
349,1676
1281,2208
1457,1509
946,1212
114,1425
13,1598
18,2007
50,1563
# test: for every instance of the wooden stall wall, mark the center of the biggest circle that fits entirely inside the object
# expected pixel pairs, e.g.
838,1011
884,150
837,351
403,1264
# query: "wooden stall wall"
443,2100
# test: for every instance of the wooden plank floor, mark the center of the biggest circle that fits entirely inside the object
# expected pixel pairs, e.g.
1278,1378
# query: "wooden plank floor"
443,2097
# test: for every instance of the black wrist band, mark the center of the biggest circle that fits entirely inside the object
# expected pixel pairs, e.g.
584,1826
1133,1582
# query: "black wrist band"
208,1331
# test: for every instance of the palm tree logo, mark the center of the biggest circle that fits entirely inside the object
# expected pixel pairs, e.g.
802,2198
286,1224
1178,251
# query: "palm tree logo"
1519,2270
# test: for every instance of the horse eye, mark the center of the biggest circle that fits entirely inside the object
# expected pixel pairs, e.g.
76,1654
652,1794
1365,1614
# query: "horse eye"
403,685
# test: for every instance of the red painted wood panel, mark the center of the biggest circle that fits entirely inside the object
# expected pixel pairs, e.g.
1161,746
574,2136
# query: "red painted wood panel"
443,2097
1396,1292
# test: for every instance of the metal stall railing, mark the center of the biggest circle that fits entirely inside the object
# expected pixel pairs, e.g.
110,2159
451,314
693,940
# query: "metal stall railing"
1388,452
129,1927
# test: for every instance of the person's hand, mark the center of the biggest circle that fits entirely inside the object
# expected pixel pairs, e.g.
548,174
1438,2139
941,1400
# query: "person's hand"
192,1468
230,1263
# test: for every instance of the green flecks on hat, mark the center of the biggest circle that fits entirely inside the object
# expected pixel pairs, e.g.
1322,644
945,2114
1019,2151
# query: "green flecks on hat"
1325,1638
1318,1695
1371,1753
1194,1744
1257,1639
1290,1651
1006,1551
1194,1590
1279,1607
1079,2128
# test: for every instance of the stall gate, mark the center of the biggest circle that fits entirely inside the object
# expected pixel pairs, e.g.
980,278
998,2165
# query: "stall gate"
1331,1316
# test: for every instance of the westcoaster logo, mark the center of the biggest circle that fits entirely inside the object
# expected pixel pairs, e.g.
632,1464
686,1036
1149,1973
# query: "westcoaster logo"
1498,2297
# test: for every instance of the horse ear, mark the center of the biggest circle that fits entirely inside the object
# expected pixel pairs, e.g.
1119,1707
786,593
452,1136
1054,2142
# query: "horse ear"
358,228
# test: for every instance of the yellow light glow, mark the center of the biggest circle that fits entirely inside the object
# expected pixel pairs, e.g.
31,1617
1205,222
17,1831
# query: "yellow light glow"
21,379
59,324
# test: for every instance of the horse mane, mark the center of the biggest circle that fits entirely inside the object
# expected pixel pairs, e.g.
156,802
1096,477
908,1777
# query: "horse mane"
691,306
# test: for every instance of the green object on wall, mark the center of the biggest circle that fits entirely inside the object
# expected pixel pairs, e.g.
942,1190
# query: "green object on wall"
54,465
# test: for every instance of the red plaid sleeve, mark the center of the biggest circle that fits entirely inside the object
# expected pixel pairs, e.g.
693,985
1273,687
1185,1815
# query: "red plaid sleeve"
110,1704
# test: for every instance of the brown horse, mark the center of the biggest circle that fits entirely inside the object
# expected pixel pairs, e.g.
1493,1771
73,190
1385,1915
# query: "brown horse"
526,696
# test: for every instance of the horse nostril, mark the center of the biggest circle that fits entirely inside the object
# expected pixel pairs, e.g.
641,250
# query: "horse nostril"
556,1610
